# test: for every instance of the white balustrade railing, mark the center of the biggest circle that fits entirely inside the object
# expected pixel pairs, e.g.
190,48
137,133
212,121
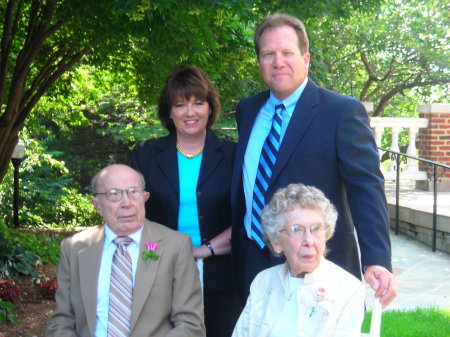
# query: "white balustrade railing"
411,169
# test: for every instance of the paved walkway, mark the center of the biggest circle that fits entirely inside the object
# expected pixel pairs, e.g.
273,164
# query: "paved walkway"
423,277
417,199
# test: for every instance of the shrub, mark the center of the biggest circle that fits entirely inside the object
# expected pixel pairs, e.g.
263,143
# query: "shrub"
49,196
47,286
16,260
9,290
7,312
47,250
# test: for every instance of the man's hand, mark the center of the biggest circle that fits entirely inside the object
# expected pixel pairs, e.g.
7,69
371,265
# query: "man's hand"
382,281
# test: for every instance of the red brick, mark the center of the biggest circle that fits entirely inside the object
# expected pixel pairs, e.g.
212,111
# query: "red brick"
438,120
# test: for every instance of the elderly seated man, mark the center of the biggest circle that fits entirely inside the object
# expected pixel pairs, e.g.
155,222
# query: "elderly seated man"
308,295
130,276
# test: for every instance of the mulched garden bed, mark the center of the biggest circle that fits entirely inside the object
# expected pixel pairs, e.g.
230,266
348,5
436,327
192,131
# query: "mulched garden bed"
32,308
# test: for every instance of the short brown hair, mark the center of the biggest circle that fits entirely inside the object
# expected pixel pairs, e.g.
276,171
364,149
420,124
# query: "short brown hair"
278,20
186,81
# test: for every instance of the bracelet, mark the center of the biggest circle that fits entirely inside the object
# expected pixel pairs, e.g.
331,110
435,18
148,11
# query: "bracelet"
208,244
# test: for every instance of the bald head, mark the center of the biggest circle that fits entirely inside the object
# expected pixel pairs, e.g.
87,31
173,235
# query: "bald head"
127,214
112,168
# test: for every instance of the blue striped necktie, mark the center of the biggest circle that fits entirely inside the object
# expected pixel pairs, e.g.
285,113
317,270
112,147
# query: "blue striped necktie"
121,290
265,167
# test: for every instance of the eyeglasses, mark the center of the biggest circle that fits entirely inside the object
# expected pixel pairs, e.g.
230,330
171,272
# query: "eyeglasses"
115,194
298,232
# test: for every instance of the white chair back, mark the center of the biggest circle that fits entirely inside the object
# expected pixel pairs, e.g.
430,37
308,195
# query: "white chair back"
375,323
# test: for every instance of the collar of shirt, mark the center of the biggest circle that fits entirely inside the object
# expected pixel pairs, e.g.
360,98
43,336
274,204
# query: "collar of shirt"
290,102
110,236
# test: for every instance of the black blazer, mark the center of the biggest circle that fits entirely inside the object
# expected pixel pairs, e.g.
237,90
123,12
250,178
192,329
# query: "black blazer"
328,144
157,160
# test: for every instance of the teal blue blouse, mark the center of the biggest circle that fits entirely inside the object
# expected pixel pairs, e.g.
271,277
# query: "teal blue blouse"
189,170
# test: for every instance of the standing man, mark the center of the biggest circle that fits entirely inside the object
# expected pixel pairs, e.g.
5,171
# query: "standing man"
108,287
315,137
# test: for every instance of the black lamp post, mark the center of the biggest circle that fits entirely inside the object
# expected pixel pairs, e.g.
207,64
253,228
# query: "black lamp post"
19,152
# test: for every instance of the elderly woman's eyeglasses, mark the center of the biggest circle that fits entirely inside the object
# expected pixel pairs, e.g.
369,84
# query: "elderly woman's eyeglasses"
115,194
299,232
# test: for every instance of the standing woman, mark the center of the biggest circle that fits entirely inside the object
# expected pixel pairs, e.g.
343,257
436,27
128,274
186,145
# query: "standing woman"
188,175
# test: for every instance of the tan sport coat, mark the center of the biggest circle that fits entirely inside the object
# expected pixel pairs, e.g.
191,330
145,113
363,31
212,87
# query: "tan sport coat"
167,299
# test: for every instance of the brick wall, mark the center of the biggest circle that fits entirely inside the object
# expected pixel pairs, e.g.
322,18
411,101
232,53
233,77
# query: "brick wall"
434,141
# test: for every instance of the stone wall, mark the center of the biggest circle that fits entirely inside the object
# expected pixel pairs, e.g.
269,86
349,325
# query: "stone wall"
53,233
418,225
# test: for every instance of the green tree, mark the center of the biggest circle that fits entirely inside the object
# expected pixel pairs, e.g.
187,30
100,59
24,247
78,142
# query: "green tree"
50,195
389,55
42,39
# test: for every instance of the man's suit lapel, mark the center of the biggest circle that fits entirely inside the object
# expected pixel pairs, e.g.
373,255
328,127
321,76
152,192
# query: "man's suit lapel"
167,160
145,272
89,265
303,115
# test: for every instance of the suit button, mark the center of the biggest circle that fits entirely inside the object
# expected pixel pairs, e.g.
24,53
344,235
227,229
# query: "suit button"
199,194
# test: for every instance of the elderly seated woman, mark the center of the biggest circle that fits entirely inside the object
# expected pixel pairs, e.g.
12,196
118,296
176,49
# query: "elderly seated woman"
308,295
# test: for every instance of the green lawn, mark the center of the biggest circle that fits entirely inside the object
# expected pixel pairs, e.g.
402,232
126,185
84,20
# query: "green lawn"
415,323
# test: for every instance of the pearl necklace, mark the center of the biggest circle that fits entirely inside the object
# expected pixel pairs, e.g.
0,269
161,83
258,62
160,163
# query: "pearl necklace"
190,155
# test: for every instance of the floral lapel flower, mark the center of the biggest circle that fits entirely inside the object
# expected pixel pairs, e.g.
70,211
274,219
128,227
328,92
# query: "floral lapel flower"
152,251
319,294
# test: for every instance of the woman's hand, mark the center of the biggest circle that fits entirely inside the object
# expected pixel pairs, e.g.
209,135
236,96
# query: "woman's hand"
201,252
220,245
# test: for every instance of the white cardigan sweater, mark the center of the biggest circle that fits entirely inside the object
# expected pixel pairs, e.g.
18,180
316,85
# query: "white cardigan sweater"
330,303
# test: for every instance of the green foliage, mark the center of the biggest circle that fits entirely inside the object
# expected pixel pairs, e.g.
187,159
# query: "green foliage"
423,322
16,260
106,103
392,56
7,312
48,195
46,249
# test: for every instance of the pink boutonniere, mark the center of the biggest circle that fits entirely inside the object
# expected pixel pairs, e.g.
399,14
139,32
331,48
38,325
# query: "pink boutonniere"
319,294
152,251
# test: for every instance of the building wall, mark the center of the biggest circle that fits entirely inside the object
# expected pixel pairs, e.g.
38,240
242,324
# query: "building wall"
434,141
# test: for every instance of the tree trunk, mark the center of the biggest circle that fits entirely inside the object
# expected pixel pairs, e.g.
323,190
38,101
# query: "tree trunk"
26,86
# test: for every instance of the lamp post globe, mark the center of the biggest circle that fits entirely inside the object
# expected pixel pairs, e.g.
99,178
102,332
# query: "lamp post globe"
17,156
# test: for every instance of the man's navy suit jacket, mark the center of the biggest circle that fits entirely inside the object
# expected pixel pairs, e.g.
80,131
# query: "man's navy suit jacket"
328,144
